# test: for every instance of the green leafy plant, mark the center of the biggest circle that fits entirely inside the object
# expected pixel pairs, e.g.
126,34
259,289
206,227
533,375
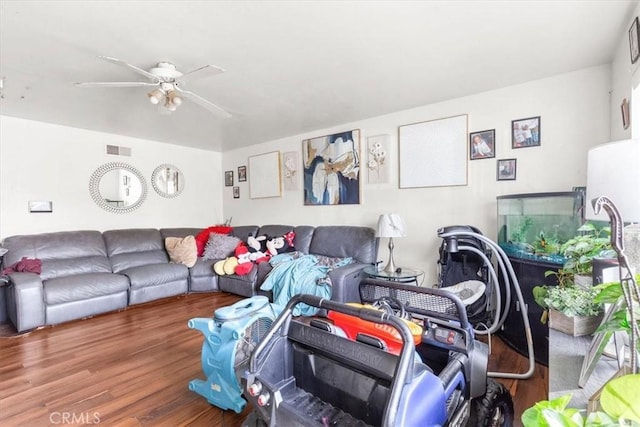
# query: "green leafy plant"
580,250
549,245
573,300
611,293
566,297
519,235
620,401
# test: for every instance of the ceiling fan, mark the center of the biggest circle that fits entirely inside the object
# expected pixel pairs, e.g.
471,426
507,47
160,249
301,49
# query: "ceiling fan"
167,83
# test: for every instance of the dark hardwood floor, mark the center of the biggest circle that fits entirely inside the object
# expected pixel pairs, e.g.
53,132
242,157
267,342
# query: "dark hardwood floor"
131,368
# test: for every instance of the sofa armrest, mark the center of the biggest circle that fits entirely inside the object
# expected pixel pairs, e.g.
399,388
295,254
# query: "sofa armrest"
25,301
345,281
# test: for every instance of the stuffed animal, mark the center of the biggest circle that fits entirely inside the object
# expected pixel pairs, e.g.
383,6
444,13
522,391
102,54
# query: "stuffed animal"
280,244
243,256
225,266
256,250
257,243
238,264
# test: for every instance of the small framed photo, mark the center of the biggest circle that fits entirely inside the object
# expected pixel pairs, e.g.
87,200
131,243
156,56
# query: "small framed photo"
634,41
624,108
482,144
236,192
242,173
228,179
506,170
525,132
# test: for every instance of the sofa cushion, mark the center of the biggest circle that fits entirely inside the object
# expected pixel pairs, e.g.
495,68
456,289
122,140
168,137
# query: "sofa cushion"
182,250
62,253
82,287
244,285
65,267
179,232
304,234
244,231
358,243
203,267
220,246
152,275
203,236
134,247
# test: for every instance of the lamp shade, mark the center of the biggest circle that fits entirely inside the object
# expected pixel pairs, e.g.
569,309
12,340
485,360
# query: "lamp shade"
390,225
613,170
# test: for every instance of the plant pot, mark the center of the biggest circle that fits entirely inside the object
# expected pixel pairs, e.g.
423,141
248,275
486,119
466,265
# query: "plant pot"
585,281
574,325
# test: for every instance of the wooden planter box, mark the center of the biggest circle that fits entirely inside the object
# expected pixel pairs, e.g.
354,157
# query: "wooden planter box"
576,326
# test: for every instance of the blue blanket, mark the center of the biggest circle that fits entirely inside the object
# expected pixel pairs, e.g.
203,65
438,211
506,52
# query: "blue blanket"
297,273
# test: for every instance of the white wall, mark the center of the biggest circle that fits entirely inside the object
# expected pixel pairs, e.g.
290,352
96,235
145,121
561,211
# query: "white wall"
624,77
41,161
574,110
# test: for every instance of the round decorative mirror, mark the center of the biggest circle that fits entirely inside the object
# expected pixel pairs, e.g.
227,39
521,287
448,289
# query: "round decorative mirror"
118,187
168,181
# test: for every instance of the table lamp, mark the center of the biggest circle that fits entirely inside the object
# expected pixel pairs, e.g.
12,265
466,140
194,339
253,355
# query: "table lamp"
613,178
613,170
390,225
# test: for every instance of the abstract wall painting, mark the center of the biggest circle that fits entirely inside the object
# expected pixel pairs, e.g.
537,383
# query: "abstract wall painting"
332,169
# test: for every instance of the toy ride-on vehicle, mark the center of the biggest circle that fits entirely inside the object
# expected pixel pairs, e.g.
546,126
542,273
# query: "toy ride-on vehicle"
313,373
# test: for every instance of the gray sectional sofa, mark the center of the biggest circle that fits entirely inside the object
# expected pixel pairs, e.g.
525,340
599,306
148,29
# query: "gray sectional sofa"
85,273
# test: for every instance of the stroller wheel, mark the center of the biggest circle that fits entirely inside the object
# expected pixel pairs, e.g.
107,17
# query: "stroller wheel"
494,408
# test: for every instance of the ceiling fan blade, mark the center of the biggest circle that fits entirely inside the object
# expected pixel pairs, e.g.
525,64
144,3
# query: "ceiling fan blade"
204,103
131,67
200,73
115,84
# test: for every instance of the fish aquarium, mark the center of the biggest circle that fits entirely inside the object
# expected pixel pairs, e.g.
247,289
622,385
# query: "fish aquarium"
534,226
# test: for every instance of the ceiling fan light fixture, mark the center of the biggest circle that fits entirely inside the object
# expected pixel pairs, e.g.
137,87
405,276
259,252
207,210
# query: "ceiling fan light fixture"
174,98
156,96
170,106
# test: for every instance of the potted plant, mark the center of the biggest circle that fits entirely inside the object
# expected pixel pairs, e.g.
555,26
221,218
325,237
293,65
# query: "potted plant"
580,251
570,309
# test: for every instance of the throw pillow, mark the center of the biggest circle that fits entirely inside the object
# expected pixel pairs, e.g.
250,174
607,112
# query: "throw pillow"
219,246
203,237
182,250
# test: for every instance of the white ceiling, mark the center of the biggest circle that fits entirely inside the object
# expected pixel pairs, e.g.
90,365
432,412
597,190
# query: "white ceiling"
291,67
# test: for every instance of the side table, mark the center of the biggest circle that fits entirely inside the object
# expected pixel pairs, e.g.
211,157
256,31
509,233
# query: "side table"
404,275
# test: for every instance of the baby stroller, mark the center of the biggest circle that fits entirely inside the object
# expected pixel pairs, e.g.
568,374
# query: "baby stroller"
464,270
470,264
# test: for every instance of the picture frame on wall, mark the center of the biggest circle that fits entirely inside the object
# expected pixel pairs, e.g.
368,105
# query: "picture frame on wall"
290,170
482,144
378,162
242,173
331,169
236,192
525,132
264,175
433,153
624,108
228,179
634,40
506,170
